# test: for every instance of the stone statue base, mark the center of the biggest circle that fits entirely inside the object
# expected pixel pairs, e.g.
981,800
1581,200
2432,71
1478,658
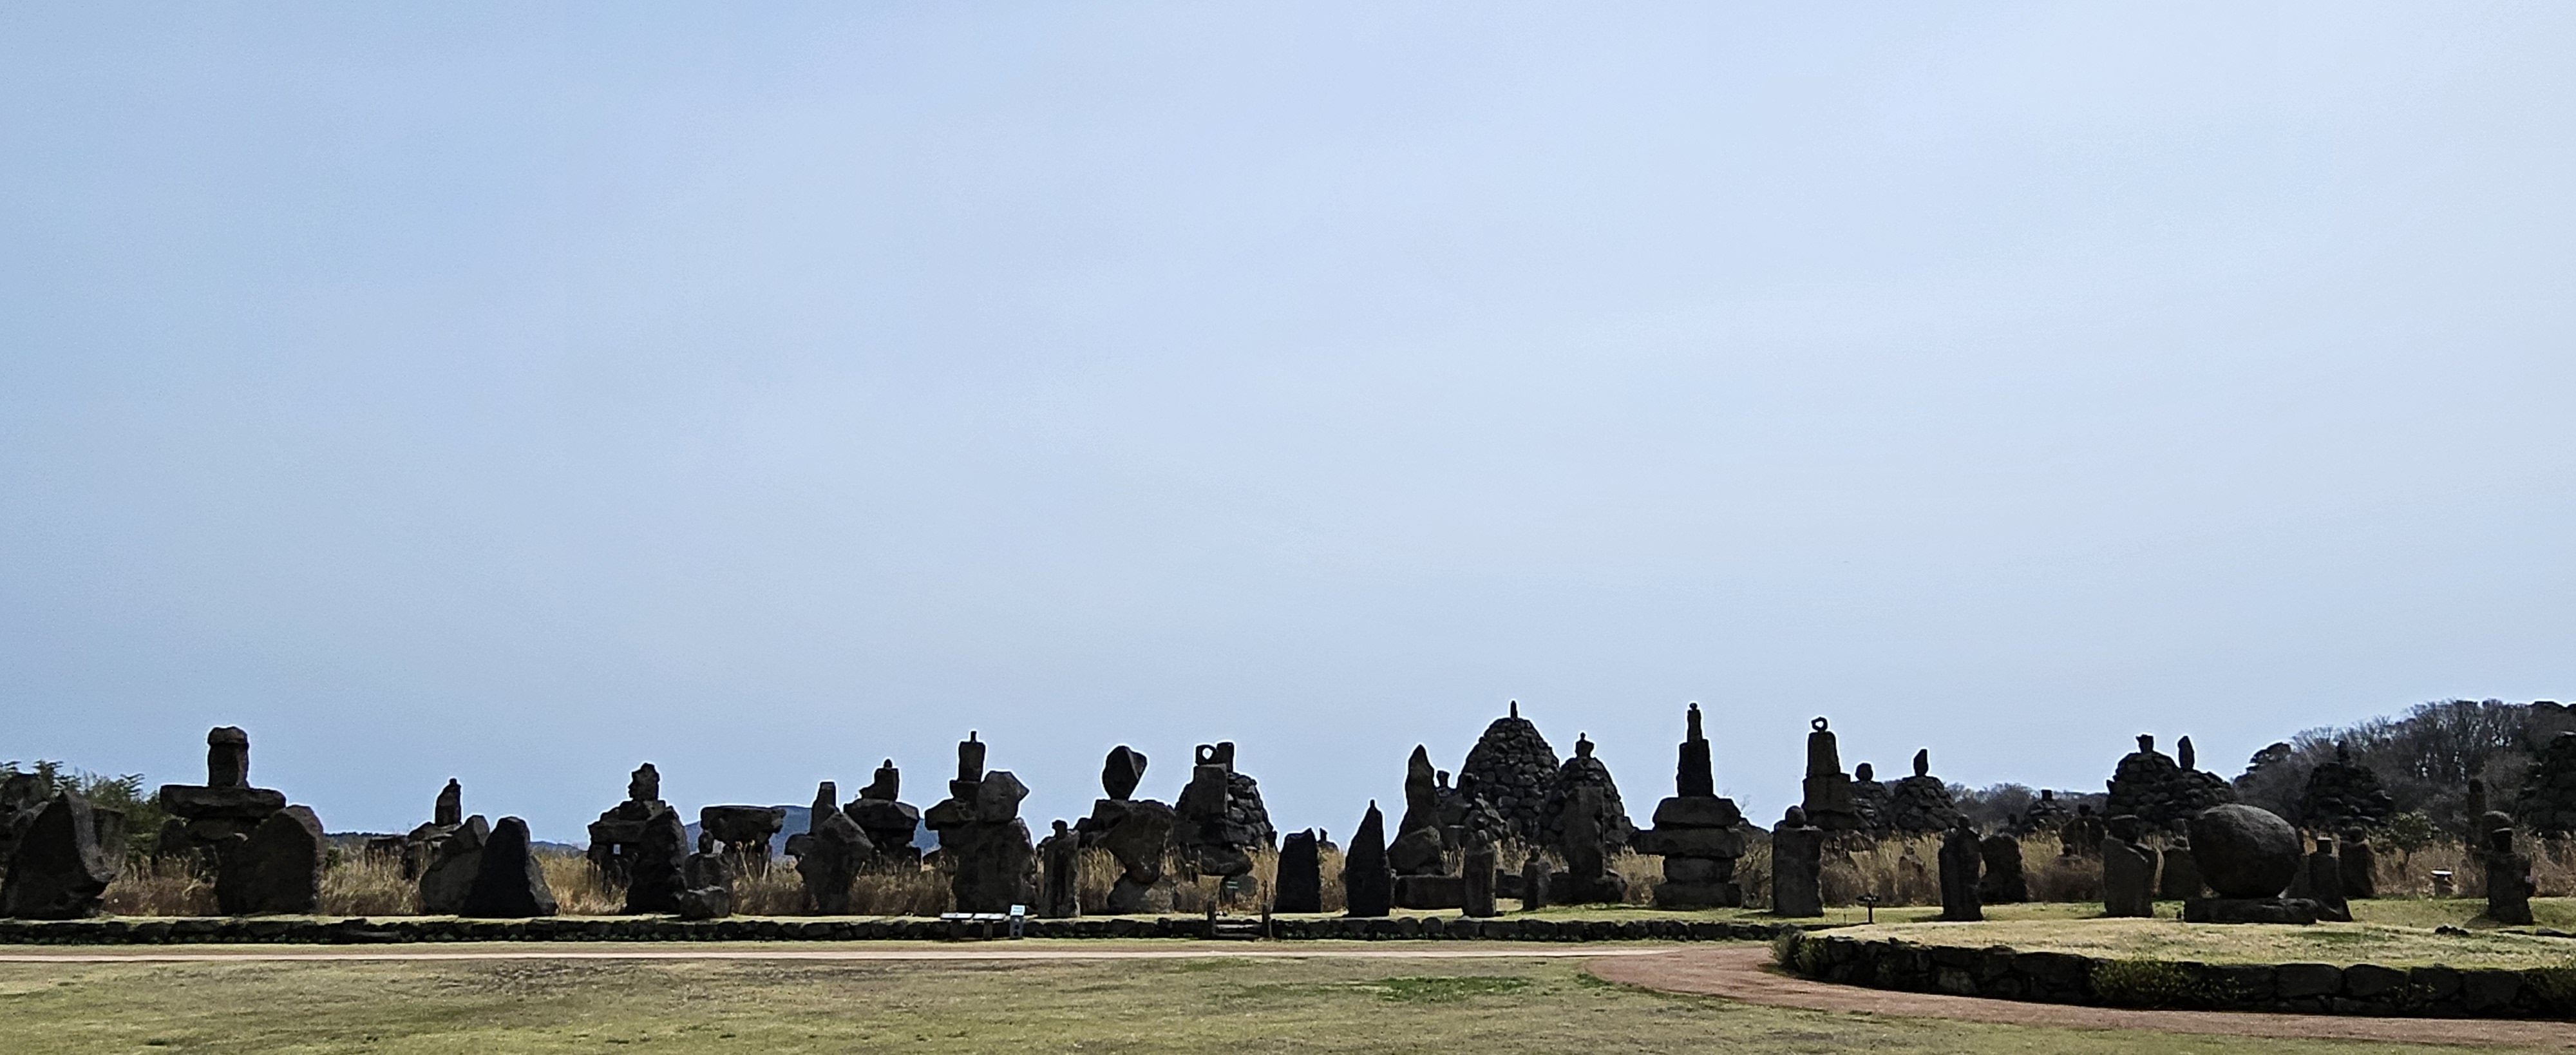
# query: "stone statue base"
2249,910
1728,894
1430,891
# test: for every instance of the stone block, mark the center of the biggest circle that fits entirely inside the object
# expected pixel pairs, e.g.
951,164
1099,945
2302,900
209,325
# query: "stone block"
1430,892
1697,811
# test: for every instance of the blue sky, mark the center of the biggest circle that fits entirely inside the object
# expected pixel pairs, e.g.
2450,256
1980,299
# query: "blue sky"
517,393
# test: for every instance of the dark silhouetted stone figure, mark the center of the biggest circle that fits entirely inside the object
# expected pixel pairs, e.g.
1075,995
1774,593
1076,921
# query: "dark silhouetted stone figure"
706,881
1220,818
658,867
1797,866
2180,878
614,835
1828,803
830,859
1136,832
1870,800
1477,876
2047,814
277,869
2246,856
890,823
2001,882
2509,886
981,833
510,884
2360,865
1919,804
1587,879
1610,826
1418,855
1059,857
63,859
209,821
2082,834
1534,878
2325,881
448,875
1962,863
2184,755
2342,794
2128,870
1699,834
450,808
1368,885
1300,886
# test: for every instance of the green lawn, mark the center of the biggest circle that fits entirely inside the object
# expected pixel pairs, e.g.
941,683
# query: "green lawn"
1499,1005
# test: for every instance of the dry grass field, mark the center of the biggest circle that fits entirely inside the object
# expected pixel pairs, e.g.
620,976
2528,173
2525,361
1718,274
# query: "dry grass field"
1499,1006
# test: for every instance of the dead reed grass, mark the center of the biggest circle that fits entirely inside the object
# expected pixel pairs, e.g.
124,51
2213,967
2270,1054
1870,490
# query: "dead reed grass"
154,886
368,885
578,887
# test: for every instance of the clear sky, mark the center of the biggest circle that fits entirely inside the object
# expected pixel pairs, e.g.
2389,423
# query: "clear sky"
518,392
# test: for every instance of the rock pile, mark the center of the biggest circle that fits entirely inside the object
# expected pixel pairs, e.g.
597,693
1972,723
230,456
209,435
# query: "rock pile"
1586,842
1869,799
2342,794
2082,834
446,818
1610,828
829,853
981,834
2163,793
449,864
1509,771
2548,801
745,832
2047,813
1135,832
1920,804
2001,881
1699,834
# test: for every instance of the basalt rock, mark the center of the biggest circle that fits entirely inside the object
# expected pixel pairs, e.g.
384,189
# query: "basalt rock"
1477,876
1510,770
276,869
2360,865
1828,803
2180,878
744,831
63,859
614,836
1059,867
447,874
1368,885
2548,803
1124,769
447,815
982,836
1797,866
208,820
2325,882
658,866
1920,804
2128,871
2508,872
2161,792
1962,862
509,884
2244,852
1417,848
1220,815
2001,881
1300,886
1609,827
1870,799
828,860
1586,846
2082,834
1698,833
890,823
2047,813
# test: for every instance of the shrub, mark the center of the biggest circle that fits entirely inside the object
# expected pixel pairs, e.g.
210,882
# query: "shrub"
2147,983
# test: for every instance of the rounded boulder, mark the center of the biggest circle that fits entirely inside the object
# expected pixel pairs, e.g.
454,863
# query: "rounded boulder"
2244,851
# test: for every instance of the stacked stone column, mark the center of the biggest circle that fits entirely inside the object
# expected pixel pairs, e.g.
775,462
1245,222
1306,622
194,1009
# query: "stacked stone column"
1698,833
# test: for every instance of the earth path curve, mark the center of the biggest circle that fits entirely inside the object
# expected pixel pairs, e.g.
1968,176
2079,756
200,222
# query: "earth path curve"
998,950
1742,972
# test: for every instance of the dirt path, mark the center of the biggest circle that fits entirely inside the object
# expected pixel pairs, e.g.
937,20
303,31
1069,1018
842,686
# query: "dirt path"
994,951
1739,972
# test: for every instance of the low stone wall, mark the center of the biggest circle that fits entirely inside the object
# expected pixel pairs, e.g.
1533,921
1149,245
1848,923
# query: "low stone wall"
2299,988
255,929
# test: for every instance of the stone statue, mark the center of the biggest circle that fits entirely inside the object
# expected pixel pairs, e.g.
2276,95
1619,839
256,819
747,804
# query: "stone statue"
1797,866
1961,861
